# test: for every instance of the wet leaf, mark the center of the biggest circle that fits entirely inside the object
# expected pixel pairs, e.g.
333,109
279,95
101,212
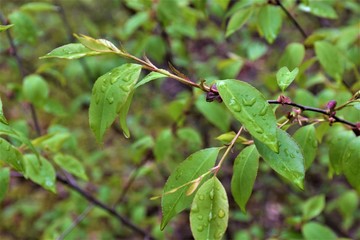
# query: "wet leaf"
284,77
70,51
11,156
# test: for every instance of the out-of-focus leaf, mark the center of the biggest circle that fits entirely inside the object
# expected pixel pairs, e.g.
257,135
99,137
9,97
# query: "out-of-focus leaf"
4,181
347,204
11,156
269,22
24,28
134,22
191,168
237,20
313,207
250,107
306,138
163,145
288,162
70,51
38,7
284,77
317,231
244,174
53,141
293,56
351,163
71,164
209,213
226,138
40,171
320,9
330,59
35,90
5,27
337,146
109,95
150,77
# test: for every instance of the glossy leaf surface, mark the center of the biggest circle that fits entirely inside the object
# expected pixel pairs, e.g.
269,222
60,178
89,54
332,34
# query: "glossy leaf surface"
209,213
71,51
284,77
306,138
99,45
191,168
288,162
109,95
250,108
71,164
244,174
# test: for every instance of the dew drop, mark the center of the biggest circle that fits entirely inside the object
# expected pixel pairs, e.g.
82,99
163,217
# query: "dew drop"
200,228
200,217
125,88
218,235
259,130
211,194
249,102
234,105
103,87
110,100
221,213
210,216
48,183
195,208
201,197
97,99
292,155
113,80
127,78
263,110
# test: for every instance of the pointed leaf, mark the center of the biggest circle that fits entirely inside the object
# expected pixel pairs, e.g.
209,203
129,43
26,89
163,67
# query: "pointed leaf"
330,59
269,22
11,156
289,162
5,27
209,213
314,230
351,163
98,45
191,168
306,138
313,207
150,77
71,164
41,172
250,107
4,182
284,77
70,51
109,95
244,174
238,19
320,9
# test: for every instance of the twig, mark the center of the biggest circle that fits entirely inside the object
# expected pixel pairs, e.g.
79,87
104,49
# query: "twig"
103,206
293,20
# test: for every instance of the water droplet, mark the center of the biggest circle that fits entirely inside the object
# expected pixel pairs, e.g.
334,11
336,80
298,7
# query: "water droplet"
235,106
292,155
210,216
195,208
97,99
125,88
201,197
103,87
221,213
48,183
178,175
110,100
200,217
212,194
200,228
286,152
263,110
258,129
249,102
113,80
127,78
218,235
8,147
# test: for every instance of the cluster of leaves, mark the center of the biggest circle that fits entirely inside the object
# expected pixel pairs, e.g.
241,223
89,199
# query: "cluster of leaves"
321,64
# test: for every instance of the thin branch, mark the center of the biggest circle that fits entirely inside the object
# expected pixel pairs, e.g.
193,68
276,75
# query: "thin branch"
293,20
103,206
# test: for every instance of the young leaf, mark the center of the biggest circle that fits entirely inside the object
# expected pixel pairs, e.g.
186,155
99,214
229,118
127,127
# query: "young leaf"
98,45
11,155
5,27
306,138
35,89
250,107
293,56
191,168
288,162
40,171
244,174
4,182
284,77
313,207
351,163
330,59
70,51
237,20
2,116
150,77
337,146
71,164
314,230
109,95
209,213
269,22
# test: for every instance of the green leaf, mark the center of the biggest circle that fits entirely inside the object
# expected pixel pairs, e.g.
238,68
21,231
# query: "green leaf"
284,77
351,163
223,3
244,174
330,59
237,20
123,115
338,143
53,141
40,171
35,89
293,56
150,77
214,113
163,145
98,45
250,107
11,155
317,231
24,28
109,95
320,9
70,51
38,7
134,22
269,22
313,207
2,116
289,162
5,27
191,168
209,213
71,164
347,203
4,182
306,138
